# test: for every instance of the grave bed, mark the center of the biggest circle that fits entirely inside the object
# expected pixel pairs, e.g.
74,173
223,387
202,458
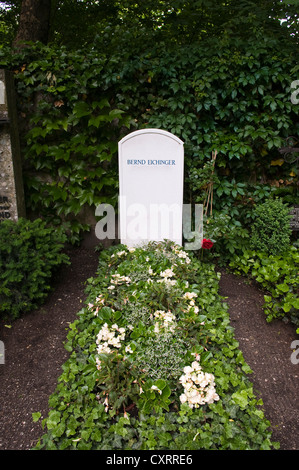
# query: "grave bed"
154,328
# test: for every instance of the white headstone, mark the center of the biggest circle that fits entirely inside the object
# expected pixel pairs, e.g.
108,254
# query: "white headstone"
151,175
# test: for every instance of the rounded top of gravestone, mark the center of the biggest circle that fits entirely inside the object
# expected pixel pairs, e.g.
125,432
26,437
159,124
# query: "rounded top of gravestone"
151,131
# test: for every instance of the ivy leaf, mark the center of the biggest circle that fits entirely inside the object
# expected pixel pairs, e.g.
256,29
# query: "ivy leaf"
287,307
161,384
81,109
96,120
115,113
240,398
53,419
283,287
36,416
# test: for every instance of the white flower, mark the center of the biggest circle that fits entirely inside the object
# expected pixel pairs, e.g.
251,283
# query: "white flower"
128,349
111,287
117,278
183,398
104,348
190,295
121,253
183,255
98,362
114,342
195,308
166,320
195,365
188,370
154,387
168,282
107,337
100,299
199,386
167,273
159,313
188,385
196,355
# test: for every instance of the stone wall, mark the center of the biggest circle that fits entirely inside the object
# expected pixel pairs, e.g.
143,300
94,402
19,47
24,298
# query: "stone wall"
12,204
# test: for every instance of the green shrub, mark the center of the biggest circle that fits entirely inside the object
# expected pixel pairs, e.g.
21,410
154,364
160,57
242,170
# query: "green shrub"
271,228
29,252
115,392
229,235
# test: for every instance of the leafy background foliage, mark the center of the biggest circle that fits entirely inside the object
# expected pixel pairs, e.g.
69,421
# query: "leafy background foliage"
74,106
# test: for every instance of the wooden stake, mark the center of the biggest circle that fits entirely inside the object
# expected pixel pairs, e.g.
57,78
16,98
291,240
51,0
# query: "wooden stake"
209,197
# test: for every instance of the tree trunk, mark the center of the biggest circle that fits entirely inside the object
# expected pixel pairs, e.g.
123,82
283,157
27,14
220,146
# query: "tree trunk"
34,22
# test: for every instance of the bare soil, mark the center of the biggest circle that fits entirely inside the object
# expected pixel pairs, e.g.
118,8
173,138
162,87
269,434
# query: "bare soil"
35,353
267,350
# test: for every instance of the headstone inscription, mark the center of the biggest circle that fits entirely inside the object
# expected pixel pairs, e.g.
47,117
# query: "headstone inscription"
12,204
151,173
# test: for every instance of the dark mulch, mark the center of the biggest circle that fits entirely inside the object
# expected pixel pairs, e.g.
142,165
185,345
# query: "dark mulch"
34,354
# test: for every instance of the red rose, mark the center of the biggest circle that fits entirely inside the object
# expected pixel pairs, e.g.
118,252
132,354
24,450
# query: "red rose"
207,244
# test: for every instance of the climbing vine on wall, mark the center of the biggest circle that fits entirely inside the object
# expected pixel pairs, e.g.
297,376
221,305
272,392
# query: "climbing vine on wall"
75,106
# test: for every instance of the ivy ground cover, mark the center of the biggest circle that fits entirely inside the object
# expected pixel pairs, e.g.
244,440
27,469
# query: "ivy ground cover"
153,363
